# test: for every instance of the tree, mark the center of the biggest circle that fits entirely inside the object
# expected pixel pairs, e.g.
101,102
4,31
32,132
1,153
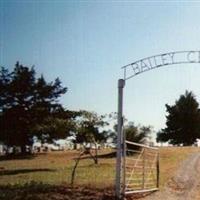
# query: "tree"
26,103
138,134
134,133
183,121
59,124
90,129
162,136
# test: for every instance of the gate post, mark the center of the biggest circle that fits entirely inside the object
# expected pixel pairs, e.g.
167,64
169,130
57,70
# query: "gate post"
119,191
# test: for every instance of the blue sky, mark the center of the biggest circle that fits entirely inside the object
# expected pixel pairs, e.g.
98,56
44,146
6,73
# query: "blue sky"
85,43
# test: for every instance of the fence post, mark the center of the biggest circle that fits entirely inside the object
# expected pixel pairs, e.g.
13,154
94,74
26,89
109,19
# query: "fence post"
143,177
124,162
119,191
158,170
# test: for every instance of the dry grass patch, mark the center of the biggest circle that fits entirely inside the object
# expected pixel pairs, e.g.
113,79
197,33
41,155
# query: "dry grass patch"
55,168
170,160
47,176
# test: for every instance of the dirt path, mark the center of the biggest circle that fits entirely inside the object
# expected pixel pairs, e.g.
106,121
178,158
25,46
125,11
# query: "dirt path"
185,185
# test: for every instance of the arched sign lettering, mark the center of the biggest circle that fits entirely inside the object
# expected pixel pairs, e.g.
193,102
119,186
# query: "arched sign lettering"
152,62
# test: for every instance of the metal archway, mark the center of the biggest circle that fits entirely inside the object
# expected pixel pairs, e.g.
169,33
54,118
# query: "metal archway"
131,70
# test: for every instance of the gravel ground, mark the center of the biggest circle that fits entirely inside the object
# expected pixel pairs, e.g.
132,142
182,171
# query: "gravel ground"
185,185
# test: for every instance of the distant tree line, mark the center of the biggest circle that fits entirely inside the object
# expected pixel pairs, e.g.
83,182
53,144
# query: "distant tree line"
29,107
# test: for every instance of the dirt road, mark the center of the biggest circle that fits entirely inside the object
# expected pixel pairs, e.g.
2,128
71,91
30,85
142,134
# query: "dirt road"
185,185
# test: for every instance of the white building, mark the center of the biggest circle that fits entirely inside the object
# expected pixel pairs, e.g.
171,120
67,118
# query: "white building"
57,145
198,142
1,149
65,144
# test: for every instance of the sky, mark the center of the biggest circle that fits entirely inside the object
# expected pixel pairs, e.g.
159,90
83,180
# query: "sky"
85,44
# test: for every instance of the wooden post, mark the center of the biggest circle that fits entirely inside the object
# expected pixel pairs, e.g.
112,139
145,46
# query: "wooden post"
158,170
143,178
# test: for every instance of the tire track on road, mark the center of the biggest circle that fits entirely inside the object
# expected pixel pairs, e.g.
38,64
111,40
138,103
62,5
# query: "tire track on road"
185,185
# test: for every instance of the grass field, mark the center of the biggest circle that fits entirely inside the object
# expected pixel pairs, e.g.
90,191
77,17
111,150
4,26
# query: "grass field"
37,176
55,168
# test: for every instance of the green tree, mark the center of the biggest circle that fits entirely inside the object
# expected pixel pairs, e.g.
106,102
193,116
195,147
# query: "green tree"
183,121
90,129
26,103
138,134
133,133
58,124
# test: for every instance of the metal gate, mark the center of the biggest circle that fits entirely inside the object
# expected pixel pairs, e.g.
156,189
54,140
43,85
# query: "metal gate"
141,168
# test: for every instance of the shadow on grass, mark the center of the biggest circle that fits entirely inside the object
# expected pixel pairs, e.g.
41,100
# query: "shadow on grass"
40,191
23,171
107,155
17,157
